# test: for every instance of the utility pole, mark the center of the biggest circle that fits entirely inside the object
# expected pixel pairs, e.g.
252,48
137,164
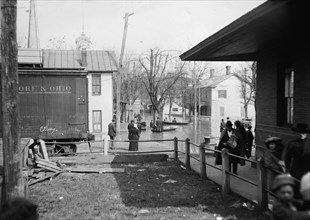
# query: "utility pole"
12,152
195,94
120,74
33,38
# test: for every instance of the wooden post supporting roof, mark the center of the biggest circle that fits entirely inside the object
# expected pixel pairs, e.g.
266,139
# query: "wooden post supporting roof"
12,154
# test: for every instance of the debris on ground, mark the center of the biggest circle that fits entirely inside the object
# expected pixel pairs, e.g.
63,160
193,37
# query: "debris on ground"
37,164
162,175
170,181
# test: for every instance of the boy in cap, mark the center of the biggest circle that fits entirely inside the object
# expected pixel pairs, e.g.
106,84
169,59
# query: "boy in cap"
285,206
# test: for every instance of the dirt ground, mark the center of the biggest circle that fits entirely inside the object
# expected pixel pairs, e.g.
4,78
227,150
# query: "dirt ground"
160,190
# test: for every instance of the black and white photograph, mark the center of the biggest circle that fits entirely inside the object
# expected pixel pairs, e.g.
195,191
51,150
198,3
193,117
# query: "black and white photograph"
146,109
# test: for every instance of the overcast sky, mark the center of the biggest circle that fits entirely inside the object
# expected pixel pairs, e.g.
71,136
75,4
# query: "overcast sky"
169,25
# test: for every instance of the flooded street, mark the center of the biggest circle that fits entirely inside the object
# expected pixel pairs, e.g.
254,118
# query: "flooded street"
194,131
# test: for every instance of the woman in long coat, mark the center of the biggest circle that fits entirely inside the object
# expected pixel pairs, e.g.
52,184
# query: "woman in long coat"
134,134
226,135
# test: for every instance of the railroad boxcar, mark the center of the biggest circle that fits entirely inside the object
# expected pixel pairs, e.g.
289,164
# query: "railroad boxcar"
54,106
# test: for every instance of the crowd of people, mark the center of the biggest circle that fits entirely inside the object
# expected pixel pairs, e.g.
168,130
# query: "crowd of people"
237,140
288,167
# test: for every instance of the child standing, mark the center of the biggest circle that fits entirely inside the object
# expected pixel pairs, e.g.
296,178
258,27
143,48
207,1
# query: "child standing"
272,158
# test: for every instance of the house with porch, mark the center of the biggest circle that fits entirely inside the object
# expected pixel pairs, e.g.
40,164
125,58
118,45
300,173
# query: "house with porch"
275,35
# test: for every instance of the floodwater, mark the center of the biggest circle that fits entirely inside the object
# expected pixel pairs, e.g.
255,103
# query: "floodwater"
194,131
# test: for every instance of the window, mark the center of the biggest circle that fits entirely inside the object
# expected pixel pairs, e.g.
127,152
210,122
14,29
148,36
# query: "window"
97,126
222,94
175,109
222,111
289,95
286,96
96,84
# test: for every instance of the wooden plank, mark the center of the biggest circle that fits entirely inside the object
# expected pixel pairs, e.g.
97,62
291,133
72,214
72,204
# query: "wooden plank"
43,149
49,167
46,162
95,170
46,177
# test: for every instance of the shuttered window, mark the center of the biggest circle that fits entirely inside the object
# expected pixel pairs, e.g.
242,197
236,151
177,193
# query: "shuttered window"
96,84
222,94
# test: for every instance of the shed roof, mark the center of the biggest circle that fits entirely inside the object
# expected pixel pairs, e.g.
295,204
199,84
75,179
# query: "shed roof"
214,81
277,24
97,60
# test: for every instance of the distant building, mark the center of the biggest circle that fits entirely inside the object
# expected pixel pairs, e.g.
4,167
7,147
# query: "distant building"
176,110
221,97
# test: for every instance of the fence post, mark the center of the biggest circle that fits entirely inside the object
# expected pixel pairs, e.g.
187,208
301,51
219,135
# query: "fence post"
105,146
187,153
176,153
262,184
225,171
203,170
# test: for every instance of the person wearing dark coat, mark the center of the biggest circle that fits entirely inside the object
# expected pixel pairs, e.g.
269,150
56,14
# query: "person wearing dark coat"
129,127
249,142
134,134
241,136
112,132
297,155
228,134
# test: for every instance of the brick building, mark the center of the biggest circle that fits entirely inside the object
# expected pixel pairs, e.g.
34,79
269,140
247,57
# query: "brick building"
276,35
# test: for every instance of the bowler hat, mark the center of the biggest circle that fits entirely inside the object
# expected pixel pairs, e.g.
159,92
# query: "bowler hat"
301,128
228,124
281,180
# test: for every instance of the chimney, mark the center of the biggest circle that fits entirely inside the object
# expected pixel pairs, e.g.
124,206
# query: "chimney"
211,73
228,70
84,58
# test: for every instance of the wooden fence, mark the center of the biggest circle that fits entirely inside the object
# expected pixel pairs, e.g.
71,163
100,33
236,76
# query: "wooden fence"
261,171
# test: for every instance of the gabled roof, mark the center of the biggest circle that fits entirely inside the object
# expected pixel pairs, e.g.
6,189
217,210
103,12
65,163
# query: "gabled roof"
281,24
214,81
97,60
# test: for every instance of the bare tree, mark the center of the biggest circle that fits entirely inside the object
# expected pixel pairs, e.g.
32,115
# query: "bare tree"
248,85
132,85
196,71
161,71
59,43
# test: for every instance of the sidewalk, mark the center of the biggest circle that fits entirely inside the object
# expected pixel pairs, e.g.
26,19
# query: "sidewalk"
238,186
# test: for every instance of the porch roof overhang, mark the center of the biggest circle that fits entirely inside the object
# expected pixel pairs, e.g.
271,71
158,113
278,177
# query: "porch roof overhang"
273,24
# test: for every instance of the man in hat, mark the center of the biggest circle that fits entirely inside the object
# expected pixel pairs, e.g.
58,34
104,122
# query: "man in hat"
112,132
297,155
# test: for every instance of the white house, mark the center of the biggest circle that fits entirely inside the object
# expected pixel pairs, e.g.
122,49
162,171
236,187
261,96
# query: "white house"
176,110
221,97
